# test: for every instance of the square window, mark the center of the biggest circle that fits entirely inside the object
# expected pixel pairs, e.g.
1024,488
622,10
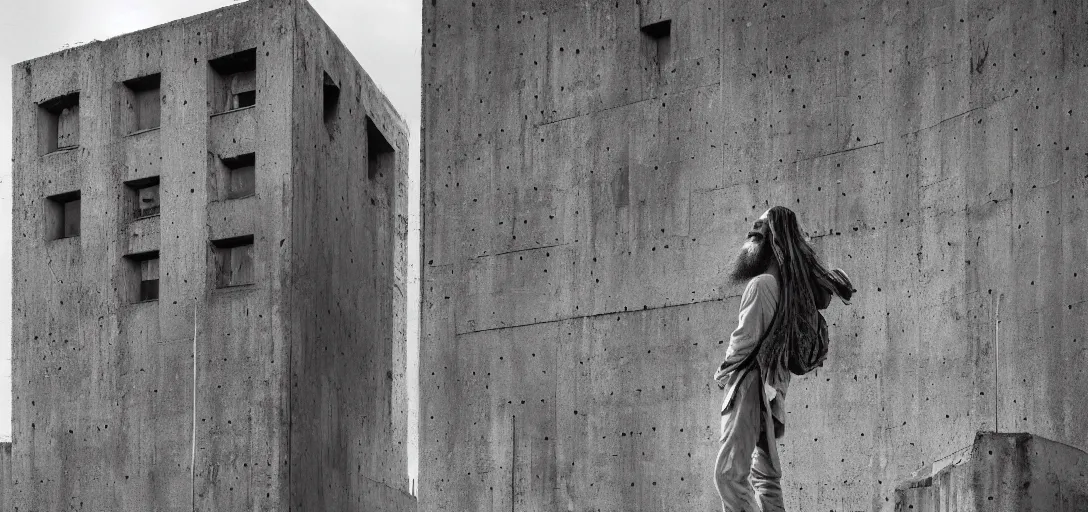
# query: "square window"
58,123
234,81
62,215
143,102
143,197
659,43
238,177
233,261
144,271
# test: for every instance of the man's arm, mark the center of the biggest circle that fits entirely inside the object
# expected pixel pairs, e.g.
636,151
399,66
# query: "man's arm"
757,305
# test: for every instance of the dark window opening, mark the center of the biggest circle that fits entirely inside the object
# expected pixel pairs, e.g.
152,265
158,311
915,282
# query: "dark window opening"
658,43
245,99
238,176
144,268
331,97
659,29
381,156
62,215
234,81
233,261
144,197
58,123
144,104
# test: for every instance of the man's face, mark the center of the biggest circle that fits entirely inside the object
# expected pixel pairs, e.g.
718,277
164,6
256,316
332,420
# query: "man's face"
761,230
755,254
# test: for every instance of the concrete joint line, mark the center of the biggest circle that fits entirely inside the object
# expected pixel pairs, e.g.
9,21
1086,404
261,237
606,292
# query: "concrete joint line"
654,98
841,151
527,249
961,114
596,315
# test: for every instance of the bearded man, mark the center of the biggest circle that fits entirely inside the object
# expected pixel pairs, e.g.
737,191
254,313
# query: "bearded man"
786,285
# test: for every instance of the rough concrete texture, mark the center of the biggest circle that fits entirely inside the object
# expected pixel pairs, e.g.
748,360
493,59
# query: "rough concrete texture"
299,375
5,477
1001,472
586,187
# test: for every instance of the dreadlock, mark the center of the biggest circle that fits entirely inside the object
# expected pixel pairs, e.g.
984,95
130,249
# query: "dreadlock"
799,271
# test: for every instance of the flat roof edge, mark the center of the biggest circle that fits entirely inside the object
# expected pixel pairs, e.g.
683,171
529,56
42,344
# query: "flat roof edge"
288,4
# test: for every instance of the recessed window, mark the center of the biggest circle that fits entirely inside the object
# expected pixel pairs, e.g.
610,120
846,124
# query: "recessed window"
658,43
237,176
380,154
234,81
331,95
143,103
58,123
144,197
233,261
62,215
144,271
243,99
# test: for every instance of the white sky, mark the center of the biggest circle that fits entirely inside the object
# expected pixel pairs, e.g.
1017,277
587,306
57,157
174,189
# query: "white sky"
383,34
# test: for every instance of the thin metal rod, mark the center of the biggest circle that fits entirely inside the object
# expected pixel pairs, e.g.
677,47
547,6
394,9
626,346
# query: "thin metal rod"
997,360
192,456
513,457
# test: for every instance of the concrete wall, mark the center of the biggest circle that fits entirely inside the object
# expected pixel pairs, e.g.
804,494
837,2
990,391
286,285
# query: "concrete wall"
584,197
1002,472
348,398
104,408
5,477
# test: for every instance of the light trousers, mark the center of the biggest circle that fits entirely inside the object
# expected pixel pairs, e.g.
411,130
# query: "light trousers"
748,458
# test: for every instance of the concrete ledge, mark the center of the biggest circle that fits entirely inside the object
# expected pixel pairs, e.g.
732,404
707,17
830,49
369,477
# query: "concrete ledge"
1001,472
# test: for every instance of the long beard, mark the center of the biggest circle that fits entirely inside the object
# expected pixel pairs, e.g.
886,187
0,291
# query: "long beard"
750,264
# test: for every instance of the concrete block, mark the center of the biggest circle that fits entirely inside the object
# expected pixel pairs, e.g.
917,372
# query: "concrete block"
1000,472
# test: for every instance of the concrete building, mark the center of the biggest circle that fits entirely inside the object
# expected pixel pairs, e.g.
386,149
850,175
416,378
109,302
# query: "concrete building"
590,169
209,245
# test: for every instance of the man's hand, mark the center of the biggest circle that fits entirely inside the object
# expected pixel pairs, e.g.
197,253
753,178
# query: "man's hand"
719,377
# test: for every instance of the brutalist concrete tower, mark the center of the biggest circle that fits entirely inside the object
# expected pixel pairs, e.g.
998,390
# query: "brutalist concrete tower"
590,170
209,234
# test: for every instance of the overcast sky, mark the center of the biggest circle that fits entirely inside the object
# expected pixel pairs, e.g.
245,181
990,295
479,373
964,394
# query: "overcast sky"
383,34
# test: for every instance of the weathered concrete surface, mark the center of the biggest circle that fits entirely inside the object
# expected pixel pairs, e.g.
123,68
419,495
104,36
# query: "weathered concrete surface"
348,396
1001,472
298,376
583,199
5,477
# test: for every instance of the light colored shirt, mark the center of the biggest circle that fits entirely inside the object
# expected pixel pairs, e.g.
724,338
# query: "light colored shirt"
757,305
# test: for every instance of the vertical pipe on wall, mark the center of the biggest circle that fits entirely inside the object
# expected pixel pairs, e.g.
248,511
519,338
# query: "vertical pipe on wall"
997,359
192,455
513,456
